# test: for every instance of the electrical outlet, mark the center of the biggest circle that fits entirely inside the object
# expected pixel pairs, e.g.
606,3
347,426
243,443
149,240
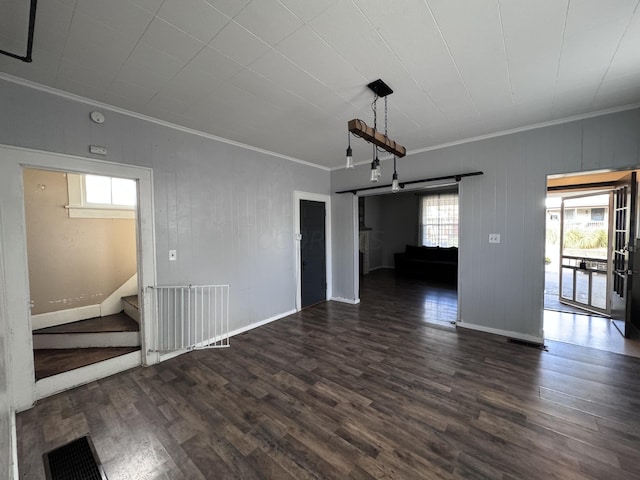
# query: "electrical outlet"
172,255
494,238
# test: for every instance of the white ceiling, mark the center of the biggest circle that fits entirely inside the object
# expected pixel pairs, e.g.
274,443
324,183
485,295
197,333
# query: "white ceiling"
287,75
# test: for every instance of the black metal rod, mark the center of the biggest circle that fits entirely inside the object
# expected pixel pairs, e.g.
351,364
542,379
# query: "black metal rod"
32,27
457,178
32,24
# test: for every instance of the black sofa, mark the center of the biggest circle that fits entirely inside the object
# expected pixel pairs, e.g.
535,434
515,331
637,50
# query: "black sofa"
433,264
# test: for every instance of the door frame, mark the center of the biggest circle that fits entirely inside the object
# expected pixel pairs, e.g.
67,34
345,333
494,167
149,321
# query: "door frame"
316,197
13,249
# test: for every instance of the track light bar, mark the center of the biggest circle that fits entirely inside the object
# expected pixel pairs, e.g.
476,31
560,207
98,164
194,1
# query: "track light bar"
360,129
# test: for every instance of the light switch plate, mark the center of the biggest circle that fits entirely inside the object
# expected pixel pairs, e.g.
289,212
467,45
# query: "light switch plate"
494,238
172,255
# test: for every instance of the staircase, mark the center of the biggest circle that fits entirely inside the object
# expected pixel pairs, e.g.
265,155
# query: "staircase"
74,345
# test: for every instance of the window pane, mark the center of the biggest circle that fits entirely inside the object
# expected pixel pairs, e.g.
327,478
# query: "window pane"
440,220
124,191
98,189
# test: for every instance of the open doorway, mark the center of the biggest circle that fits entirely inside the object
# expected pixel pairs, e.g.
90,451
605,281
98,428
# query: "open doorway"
590,242
14,251
408,244
82,256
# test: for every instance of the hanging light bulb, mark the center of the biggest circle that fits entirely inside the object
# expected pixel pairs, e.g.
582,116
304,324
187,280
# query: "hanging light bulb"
375,166
374,171
395,186
349,152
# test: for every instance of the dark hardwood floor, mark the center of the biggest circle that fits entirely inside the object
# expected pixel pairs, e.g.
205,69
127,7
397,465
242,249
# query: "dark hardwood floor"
375,390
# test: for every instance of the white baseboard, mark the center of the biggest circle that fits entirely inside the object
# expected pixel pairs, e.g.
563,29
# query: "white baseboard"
51,319
503,333
80,376
350,301
238,331
113,303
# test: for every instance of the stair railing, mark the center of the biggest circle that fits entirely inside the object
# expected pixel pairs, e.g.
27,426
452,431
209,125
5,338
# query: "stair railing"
190,317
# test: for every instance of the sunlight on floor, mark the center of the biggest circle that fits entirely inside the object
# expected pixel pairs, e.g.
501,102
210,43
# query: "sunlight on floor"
588,331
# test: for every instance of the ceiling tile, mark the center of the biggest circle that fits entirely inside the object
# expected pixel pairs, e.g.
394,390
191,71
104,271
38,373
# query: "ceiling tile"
195,17
237,43
269,20
82,74
306,10
53,21
533,57
149,5
96,45
588,14
14,24
229,7
130,91
121,15
366,51
170,40
149,68
325,64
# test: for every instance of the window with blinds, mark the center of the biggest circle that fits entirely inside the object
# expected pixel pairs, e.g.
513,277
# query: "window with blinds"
439,219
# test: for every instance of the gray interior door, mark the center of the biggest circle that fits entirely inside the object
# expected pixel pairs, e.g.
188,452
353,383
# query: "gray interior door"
313,252
624,227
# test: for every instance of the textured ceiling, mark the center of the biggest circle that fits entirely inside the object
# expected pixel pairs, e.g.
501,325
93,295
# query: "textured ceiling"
287,75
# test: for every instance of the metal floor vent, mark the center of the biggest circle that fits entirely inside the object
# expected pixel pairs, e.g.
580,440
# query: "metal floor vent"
76,460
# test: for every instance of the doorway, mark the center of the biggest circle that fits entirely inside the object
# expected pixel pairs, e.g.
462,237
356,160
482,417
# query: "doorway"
312,252
82,268
14,251
314,211
589,259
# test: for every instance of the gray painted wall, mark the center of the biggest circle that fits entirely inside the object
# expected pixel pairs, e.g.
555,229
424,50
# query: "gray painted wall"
373,220
227,210
400,224
501,286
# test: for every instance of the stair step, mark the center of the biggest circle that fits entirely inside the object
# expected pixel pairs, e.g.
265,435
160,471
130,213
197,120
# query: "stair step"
50,362
110,323
132,300
110,331
132,307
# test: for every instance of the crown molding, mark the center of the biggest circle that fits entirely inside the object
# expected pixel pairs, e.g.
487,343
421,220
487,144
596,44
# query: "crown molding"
157,121
535,126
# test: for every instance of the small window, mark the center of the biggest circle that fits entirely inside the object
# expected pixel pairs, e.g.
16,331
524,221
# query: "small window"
97,196
597,214
439,220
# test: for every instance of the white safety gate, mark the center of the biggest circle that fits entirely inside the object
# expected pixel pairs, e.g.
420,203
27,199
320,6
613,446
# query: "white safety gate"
190,317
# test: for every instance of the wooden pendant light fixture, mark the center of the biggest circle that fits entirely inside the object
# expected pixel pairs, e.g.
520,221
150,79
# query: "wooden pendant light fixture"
360,129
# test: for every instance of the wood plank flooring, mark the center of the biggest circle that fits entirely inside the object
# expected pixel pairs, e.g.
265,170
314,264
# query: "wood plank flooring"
339,391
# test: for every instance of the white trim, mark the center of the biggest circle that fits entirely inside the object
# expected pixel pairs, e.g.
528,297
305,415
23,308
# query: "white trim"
14,445
502,333
315,197
83,375
157,121
61,317
238,331
113,303
90,212
501,133
12,161
350,301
